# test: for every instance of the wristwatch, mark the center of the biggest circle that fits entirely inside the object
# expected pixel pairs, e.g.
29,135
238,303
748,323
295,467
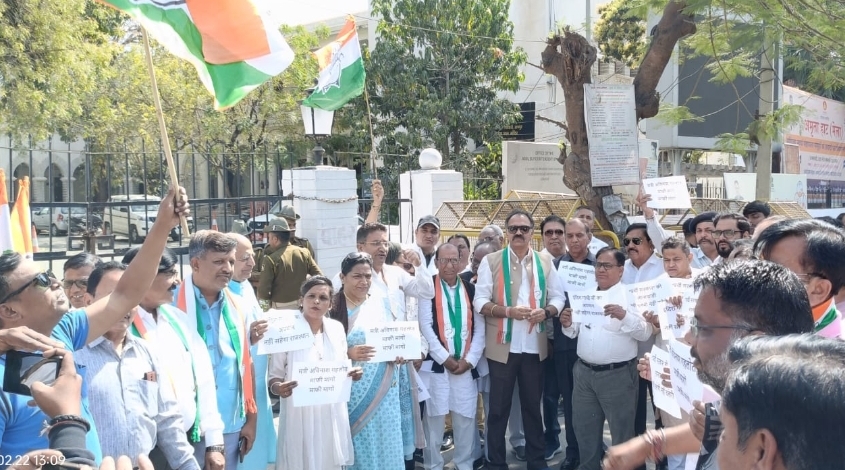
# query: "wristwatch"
220,449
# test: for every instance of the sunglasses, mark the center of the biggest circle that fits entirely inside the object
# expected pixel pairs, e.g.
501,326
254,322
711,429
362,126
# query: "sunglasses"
519,228
549,233
636,241
45,279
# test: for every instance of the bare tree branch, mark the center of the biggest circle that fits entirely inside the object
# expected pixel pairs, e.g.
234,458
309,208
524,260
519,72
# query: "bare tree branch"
560,124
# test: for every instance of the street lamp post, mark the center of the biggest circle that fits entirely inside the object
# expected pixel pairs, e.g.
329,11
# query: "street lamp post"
318,124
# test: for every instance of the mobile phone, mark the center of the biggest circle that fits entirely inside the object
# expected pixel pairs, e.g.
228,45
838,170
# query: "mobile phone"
241,448
24,369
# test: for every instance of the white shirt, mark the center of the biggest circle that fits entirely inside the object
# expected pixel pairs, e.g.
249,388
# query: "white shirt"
521,340
176,362
595,244
616,341
431,266
650,270
656,232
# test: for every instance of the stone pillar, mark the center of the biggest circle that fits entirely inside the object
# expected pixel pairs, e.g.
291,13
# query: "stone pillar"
427,190
326,198
38,189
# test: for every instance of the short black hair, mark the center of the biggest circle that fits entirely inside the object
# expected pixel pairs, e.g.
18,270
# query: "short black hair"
517,212
826,218
757,206
638,226
393,252
674,243
743,249
166,263
313,282
824,253
462,237
81,260
99,271
761,295
9,261
283,237
794,387
742,224
365,230
618,255
687,227
552,218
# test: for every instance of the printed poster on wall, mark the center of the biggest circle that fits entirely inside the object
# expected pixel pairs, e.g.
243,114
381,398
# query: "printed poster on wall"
611,118
741,186
789,188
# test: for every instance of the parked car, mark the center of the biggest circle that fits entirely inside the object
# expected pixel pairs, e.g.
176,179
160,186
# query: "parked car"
65,220
136,217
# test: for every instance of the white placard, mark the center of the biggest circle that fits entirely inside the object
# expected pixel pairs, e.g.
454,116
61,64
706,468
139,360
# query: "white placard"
287,331
664,398
667,314
611,118
667,193
394,339
685,382
644,296
422,390
588,307
321,382
577,277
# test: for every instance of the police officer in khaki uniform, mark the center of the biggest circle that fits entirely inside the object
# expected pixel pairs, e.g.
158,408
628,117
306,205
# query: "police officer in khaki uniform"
284,267
291,217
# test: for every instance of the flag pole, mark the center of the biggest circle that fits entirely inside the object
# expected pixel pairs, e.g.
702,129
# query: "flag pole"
165,141
373,152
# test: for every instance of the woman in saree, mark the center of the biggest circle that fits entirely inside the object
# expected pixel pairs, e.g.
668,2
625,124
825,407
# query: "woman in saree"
383,405
313,437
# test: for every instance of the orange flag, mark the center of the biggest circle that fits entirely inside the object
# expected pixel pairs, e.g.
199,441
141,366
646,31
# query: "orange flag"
22,220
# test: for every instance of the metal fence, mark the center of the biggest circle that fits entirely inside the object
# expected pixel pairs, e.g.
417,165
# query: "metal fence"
102,197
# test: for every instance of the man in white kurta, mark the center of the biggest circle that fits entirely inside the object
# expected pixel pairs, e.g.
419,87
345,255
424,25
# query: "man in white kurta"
455,334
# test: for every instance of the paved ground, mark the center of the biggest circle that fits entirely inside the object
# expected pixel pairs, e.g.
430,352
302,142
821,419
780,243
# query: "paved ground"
513,463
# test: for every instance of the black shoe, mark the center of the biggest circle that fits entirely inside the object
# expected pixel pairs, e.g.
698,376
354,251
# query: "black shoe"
448,442
410,464
418,456
479,464
570,463
519,451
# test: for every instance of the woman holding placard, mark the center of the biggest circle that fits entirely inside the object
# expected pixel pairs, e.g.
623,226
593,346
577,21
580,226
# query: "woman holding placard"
380,407
313,437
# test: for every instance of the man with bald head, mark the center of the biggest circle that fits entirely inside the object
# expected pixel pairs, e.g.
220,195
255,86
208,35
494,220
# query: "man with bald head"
492,234
264,452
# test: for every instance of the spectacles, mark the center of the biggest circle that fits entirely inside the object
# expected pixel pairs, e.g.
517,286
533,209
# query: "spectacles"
355,256
606,266
80,283
556,232
384,245
519,228
695,328
636,241
45,279
486,239
452,261
729,233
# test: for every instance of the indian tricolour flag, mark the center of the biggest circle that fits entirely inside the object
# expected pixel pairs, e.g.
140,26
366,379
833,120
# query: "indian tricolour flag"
341,71
5,219
234,47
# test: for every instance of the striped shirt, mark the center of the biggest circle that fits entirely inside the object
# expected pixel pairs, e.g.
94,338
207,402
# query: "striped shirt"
131,412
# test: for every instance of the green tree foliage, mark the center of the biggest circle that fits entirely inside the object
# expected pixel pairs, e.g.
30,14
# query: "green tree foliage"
620,33
436,72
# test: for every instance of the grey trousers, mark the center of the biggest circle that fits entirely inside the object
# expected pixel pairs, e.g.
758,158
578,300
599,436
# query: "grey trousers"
610,395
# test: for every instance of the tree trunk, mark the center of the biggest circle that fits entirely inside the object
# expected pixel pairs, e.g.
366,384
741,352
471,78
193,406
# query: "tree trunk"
569,57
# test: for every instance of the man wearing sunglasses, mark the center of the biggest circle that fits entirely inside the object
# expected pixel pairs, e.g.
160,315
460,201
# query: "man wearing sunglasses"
77,269
553,229
35,299
729,227
815,252
737,300
517,291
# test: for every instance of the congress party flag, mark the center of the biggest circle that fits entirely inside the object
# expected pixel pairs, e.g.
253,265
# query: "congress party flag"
5,218
341,71
22,220
234,47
